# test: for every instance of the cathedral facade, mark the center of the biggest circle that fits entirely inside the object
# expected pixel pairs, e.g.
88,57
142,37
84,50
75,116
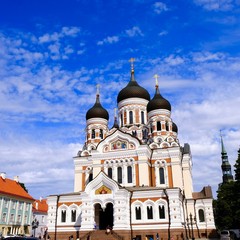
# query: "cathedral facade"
133,180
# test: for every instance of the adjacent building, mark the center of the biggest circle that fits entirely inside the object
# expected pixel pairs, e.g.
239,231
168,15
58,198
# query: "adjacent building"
39,222
15,207
132,180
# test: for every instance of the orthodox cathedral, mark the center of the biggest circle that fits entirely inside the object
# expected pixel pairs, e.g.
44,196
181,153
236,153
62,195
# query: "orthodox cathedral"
133,180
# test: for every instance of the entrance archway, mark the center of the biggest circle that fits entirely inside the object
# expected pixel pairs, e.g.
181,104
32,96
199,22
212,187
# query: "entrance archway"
103,217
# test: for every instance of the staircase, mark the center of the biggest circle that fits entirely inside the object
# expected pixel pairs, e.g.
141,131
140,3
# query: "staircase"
101,235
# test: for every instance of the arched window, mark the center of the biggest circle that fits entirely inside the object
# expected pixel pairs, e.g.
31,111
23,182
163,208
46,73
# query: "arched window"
159,127
131,117
93,133
201,215
73,215
101,134
63,216
142,117
110,172
149,212
119,172
129,174
161,210
167,126
161,175
121,120
138,213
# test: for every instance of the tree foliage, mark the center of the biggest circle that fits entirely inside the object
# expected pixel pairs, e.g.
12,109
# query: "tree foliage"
227,205
23,186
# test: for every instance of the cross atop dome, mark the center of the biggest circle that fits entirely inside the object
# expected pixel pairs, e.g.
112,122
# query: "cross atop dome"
98,89
156,79
132,60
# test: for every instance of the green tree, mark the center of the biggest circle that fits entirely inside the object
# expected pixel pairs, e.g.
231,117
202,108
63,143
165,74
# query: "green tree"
23,186
224,205
236,217
227,204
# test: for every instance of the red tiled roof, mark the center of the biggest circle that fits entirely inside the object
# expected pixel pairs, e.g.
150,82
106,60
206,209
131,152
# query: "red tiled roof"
40,206
13,188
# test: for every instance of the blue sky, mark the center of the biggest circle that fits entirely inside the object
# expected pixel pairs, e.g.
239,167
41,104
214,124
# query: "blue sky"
53,53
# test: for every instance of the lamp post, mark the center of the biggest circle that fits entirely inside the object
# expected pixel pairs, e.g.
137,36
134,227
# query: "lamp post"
190,221
35,224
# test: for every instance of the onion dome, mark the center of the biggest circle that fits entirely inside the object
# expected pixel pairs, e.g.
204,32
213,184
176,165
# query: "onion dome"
158,102
133,90
174,127
97,111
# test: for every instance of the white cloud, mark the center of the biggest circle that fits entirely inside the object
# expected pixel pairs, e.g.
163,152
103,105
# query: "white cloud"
39,164
174,60
159,7
162,33
80,52
56,36
215,5
108,40
134,31
207,56
70,31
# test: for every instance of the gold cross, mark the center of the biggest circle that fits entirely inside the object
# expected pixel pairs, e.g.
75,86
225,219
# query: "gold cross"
132,60
98,87
156,78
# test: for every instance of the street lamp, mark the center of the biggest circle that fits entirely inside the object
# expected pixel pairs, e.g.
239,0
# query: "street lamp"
35,224
190,221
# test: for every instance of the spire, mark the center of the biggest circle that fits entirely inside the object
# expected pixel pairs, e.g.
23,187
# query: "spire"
226,166
156,80
115,124
98,93
156,84
132,60
222,145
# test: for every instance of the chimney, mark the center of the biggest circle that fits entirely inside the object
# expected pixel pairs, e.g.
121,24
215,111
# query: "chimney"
16,179
3,175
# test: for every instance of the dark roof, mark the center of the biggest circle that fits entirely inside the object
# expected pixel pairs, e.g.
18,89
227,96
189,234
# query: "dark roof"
158,102
97,111
205,193
133,90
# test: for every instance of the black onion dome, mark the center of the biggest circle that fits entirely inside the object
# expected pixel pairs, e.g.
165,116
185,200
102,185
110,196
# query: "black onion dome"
158,102
174,127
97,111
133,90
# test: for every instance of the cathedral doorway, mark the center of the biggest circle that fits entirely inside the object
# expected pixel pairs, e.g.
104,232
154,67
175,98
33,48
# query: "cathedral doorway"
103,217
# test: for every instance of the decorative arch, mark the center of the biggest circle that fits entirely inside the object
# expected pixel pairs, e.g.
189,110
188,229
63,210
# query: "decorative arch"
161,173
161,209
201,215
62,213
164,145
137,210
85,153
149,209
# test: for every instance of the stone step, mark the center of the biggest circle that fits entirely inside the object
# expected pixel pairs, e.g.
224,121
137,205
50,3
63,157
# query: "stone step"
102,235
